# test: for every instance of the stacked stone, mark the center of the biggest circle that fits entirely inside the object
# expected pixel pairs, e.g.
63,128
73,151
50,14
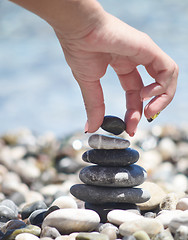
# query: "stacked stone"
111,182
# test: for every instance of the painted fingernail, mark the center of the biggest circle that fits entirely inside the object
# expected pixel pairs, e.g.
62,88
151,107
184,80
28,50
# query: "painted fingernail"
152,118
86,127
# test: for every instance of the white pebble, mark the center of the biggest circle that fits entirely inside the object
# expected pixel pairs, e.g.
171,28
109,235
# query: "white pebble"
64,202
182,204
26,236
70,220
119,216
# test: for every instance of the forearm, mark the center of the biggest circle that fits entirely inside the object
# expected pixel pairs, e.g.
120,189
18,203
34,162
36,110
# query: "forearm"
65,16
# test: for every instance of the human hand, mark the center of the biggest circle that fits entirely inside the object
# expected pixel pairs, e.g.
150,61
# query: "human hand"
91,40
113,42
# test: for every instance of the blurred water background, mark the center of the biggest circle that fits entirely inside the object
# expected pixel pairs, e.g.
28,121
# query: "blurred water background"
37,89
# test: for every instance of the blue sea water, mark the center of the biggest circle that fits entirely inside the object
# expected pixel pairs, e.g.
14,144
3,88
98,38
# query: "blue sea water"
37,89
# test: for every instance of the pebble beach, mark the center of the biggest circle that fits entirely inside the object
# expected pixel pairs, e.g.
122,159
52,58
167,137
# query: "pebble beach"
37,172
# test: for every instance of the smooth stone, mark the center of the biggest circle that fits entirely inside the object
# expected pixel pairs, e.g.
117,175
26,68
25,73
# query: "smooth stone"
70,220
113,125
18,198
10,204
6,214
157,195
13,224
129,176
141,235
99,141
166,216
47,238
104,209
11,234
26,236
118,216
50,210
182,204
181,233
50,232
67,165
131,237
150,215
31,207
169,202
149,225
64,202
37,217
91,236
176,222
113,157
110,232
93,194
102,226
164,235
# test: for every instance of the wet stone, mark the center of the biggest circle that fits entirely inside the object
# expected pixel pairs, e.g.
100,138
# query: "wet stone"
113,157
93,194
104,209
99,141
113,125
129,176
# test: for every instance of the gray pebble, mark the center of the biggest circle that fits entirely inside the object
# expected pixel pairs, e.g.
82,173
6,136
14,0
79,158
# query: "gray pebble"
10,204
93,194
129,176
99,141
6,214
113,125
113,157
31,207
50,232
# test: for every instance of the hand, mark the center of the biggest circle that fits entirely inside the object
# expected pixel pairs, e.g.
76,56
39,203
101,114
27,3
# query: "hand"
93,39
113,42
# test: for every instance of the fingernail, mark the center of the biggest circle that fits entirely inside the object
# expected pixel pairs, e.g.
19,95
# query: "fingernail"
86,127
152,118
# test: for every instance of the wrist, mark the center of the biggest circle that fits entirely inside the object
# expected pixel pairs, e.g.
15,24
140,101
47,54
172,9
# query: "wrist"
77,19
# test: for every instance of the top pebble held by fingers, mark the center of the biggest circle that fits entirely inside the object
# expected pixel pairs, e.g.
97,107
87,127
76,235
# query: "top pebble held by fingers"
113,125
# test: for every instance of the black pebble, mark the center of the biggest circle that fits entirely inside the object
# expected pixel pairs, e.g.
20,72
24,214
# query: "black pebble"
113,125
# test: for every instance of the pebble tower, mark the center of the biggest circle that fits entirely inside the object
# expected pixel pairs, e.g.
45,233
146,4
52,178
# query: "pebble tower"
112,181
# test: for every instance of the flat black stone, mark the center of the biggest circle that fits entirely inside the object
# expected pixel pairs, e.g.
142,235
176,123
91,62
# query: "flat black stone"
111,157
113,125
100,195
128,176
104,209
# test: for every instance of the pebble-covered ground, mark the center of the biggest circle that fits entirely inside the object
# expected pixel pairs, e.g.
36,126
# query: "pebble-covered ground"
36,173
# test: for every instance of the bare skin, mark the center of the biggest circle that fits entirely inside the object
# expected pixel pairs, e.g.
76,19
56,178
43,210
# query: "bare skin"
91,40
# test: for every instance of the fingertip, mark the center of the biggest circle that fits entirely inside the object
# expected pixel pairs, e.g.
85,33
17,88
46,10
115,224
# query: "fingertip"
132,119
95,119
